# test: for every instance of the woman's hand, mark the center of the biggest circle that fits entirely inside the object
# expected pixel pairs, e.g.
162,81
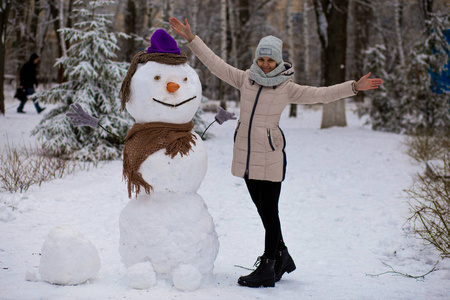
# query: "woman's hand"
366,83
184,30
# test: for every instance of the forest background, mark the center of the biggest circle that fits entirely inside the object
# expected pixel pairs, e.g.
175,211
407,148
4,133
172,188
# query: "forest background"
336,33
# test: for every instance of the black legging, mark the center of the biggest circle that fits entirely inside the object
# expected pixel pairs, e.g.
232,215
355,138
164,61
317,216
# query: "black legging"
265,195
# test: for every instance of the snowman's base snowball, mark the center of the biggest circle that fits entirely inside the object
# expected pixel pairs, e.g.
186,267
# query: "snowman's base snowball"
141,276
186,278
168,230
68,258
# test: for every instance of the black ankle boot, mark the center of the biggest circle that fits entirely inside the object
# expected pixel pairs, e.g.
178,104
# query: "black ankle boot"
264,275
284,263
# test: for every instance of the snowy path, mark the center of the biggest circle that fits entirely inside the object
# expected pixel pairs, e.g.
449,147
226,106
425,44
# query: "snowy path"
342,210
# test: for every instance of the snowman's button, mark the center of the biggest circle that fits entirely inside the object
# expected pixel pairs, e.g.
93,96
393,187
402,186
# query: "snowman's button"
172,87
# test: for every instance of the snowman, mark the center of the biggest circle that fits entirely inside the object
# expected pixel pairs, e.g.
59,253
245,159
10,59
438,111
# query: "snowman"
166,230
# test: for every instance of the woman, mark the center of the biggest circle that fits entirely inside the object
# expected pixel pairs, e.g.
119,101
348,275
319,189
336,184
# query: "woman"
258,153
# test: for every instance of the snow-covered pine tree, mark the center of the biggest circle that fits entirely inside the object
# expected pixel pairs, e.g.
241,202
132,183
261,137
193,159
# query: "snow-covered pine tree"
425,110
407,102
94,81
384,109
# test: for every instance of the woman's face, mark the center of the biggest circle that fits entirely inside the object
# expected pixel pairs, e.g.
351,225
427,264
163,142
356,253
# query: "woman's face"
266,64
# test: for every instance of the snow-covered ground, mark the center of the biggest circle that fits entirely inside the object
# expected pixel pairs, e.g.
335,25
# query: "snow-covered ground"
342,209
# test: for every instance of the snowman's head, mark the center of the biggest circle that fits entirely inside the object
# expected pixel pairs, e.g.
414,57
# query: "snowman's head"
160,86
164,93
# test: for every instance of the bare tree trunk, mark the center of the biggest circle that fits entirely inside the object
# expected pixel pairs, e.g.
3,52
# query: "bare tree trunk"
130,29
426,7
42,29
242,33
332,29
61,18
135,21
293,106
194,22
34,22
21,24
151,12
233,54
171,9
306,68
55,11
168,9
223,48
377,17
164,14
362,21
398,30
5,8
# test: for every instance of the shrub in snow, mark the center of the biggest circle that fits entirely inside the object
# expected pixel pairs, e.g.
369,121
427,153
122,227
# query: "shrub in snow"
407,102
430,207
94,81
141,276
428,146
68,258
22,167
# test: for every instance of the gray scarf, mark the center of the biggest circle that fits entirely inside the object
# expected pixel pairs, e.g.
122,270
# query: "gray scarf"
273,78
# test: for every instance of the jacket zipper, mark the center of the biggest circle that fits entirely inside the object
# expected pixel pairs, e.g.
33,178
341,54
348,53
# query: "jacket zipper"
236,131
270,139
250,129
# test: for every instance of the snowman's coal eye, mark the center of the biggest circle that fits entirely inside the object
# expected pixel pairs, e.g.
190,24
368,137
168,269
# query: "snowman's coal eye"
185,79
157,77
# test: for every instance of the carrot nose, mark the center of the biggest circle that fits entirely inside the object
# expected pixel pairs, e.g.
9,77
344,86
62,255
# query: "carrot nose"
172,87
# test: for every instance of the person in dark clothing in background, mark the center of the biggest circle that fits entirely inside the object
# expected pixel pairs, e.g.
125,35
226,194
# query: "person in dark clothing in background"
28,81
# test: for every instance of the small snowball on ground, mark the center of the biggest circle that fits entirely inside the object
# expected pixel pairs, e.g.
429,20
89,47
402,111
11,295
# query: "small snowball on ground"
68,258
31,275
187,278
141,276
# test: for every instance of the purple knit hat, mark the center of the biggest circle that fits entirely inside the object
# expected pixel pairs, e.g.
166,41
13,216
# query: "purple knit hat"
162,42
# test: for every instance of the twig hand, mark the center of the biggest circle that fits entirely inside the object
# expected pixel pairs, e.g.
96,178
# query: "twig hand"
366,83
222,116
79,117
183,30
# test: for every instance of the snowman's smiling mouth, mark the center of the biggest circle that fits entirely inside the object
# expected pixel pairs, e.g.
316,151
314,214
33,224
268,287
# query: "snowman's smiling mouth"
174,105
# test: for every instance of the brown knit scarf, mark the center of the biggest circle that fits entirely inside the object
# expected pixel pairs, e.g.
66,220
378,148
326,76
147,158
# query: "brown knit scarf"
141,58
145,139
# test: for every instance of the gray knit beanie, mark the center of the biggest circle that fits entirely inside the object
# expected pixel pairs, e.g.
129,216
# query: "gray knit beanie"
270,46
